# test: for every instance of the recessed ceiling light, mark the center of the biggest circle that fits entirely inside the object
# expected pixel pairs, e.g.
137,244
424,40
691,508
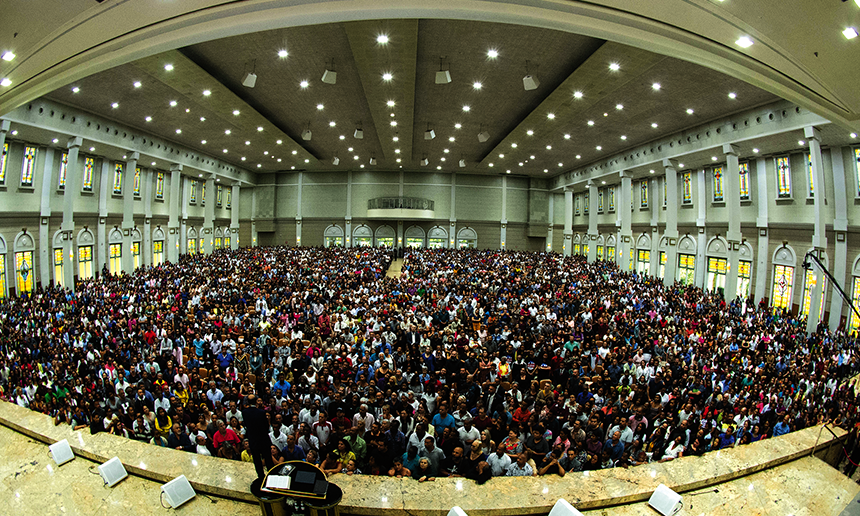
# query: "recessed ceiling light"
614,67
532,156
551,116
398,160
247,142
259,165
8,55
179,131
296,152
92,149
115,105
623,137
530,132
520,163
355,157
203,142
148,119
390,103
387,76
457,126
173,103
349,149
744,42
492,53
392,115
603,182
755,151
187,110
853,135
153,163
206,93
244,158
76,90
15,132
652,171
681,165
733,95
690,111
801,143
332,123
713,158
260,129
446,151
393,123
396,151
168,67
227,131
545,170
619,107
441,159
561,164
514,145
466,108
477,85
590,122
283,53
567,136
202,118
55,140
654,125
304,84
578,156
320,107
508,171
655,86
577,94
850,33
490,165
307,160
279,142
451,139
225,151
599,147
138,84
342,137
549,147
605,114
501,156
279,160
382,39
396,138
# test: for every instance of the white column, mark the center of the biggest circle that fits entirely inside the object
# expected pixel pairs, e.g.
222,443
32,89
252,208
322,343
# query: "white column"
183,220
253,217
567,247
670,166
592,220
701,229
452,213
625,251
347,223
840,227
173,236
503,231
74,183
732,182
234,217
128,212
550,223
146,184
299,210
208,232
45,243
105,187
654,206
763,251
819,237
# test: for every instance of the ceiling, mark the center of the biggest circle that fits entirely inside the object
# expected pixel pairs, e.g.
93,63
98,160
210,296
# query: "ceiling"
539,133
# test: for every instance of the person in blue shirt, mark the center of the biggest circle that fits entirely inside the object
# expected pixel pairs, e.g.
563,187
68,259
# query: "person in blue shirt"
782,427
443,420
727,438
282,384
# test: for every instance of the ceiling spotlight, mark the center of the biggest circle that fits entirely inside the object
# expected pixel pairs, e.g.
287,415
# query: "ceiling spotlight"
283,53
307,160
551,116
490,165
304,84
202,118
329,76
227,131
577,94
244,158
477,85
744,42
451,139
206,93
599,147
467,108
654,125
358,134
656,86
8,55
203,142
296,152
396,151
225,151
425,162
335,161
76,90
55,140
619,107
713,158
513,145
462,163
187,110
567,136
247,142
395,138
390,103
92,149
387,76
755,151
483,136
332,123
623,137
148,119
492,53
355,157
320,107
372,160
801,143
382,39
173,103
590,123
168,67
733,95
561,164
341,137
260,129
279,142
549,147
690,111
530,82
457,126
614,67
850,33
306,135
393,123
651,171
115,105
853,135
138,84
520,163
578,156
429,134
179,131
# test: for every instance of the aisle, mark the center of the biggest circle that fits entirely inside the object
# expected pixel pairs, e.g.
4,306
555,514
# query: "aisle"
394,270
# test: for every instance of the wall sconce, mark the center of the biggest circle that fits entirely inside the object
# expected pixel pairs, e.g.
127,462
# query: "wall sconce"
126,232
840,237
672,241
44,221
762,232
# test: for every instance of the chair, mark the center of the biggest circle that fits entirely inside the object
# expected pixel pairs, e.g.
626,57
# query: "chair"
252,378
506,386
204,373
241,377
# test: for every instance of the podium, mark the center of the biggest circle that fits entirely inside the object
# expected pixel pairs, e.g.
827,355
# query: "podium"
306,484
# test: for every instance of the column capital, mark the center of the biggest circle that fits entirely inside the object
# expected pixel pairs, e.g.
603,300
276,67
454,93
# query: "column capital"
624,173
5,125
730,149
812,133
133,156
236,184
590,183
75,141
670,163
568,189
176,167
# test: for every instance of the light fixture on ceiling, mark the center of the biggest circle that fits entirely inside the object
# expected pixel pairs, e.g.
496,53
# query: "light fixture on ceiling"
733,95
483,135
577,94
137,84
227,132
304,84
514,145
567,136
76,90
853,135
359,133
307,134
530,82
462,163
614,67
382,39
429,134
320,107
590,123
8,55
690,111
250,79
335,160
850,33
619,107
623,137
206,93
168,67
282,53
492,53
173,103
551,116
332,123
530,132
801,143
744,42
654,125
443,76
656,86
260,129
148,119
425,161
55,140
755,151
372,160
467,108
387,76
477,85
329,75
115,105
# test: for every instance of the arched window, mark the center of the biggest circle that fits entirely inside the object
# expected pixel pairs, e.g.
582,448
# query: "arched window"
385,236
414,237
745,258
333,236
577,245
809,285
437,238
601,242
362,236
135,248
157,247
643,255
610,248
663,249
192,241
59,259
219,237
115,254
687,260
467,238
784,262
85,254
718,261
3,292
24,271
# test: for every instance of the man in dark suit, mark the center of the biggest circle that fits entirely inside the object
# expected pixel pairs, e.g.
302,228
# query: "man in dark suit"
257,433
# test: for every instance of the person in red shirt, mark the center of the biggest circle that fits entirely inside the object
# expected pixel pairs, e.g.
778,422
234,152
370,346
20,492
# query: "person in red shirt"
225,434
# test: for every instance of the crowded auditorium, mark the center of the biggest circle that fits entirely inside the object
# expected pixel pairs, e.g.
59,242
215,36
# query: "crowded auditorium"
390,245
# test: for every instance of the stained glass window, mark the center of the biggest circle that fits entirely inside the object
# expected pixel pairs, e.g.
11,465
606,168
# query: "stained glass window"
662,264
135,254
810,173
585,249
157,253
87,185
783,177
117,178
687,188
718,184
193,199
855,296
611,190
24,271
744,171
857,167
3,164
643,196
586,199
600,201
744,279
192,246
229,198
159,186
665,192
808,286
136,182
85,262
576,206
59,276
716,273
28,166
687,268
64,169
218,243
218,196
576,248
115,260
227,242
783,276
203,193
2,276
643,262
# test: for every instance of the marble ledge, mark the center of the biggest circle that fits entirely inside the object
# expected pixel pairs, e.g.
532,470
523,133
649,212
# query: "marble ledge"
372,496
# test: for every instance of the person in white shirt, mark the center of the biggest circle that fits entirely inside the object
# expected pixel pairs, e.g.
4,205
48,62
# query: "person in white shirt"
499,461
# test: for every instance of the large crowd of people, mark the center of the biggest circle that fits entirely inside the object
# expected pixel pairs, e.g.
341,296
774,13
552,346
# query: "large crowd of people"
469,363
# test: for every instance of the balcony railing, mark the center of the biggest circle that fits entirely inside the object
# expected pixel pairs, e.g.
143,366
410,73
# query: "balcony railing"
400,203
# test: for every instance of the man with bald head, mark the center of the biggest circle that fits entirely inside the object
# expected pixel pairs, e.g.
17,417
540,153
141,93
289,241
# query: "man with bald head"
257,433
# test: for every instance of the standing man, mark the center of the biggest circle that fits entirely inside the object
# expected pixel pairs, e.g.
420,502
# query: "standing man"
257,433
